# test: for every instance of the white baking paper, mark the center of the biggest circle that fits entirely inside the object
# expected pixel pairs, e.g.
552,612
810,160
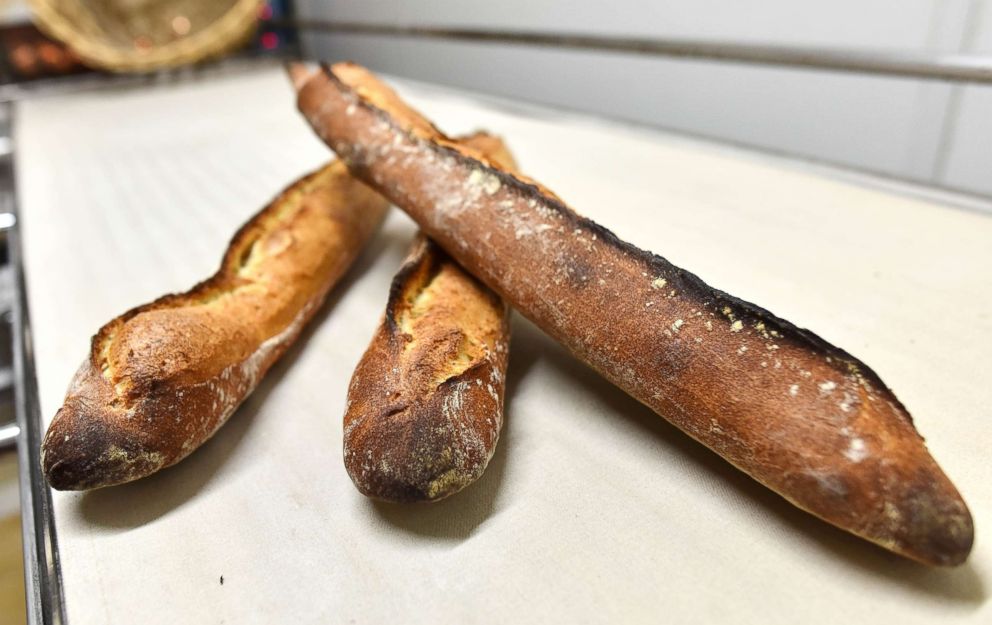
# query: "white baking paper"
594,510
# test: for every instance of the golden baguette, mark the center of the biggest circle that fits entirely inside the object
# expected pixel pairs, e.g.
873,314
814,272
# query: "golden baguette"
798,414
425,405
162,378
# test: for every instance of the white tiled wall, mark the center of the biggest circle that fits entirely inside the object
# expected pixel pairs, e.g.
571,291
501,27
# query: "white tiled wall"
928,131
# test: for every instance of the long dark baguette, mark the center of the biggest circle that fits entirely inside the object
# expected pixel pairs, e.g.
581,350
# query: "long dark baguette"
799,415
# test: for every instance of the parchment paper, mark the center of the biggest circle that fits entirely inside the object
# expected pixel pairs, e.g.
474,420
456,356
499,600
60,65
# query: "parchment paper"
594,510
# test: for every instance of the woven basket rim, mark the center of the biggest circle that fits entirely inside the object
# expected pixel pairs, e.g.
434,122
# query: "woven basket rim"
233,27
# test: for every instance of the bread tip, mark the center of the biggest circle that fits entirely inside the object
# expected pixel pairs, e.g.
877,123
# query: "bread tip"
413,489
346,64
405,457
948,543
935,526
299,73
83,454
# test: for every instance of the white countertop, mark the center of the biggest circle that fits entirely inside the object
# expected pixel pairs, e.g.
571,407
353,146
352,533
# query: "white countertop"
594,510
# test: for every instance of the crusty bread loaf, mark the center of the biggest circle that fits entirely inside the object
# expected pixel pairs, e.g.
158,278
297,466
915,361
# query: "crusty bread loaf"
796,413
163,377
425,405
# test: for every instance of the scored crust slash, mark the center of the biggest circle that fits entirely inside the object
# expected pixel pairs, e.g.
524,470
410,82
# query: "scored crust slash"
798,414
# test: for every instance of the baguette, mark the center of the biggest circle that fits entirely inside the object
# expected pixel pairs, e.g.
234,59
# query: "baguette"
162,378
799,415
425,405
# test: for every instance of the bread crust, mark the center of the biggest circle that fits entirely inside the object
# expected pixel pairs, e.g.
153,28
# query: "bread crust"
163,377
425,404
798,414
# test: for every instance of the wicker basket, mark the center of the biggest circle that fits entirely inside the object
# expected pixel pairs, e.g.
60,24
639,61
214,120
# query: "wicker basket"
143,35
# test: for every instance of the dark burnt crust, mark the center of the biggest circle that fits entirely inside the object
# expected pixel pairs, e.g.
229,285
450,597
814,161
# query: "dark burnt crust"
223,279
683,280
